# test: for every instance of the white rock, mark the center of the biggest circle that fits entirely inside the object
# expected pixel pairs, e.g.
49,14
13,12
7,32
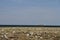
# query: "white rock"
41,37
31,33
6,36
48,35
12,39
6,33
2,30
13,32
27,34
36,36
55,32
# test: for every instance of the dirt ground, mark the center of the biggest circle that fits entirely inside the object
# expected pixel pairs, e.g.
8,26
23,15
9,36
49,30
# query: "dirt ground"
29,33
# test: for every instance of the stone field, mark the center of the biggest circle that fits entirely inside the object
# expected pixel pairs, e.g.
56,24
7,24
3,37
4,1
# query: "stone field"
29,33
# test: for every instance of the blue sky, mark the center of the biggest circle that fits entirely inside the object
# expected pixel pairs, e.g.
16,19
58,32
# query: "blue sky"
30,12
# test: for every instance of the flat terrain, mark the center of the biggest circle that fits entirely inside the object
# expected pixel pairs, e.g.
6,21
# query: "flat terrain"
29,33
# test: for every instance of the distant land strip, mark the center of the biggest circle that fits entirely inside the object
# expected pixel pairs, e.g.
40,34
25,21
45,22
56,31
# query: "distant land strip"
29,25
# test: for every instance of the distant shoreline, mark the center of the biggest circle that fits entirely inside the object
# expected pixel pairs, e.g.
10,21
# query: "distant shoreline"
29,25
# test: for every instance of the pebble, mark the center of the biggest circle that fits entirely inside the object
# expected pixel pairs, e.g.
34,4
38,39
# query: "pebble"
12,39
13,32
41,37
36,36
2,30
31,33
6,36
6,33
27,34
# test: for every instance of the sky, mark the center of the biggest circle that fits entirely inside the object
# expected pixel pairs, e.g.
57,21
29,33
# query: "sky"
30,12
